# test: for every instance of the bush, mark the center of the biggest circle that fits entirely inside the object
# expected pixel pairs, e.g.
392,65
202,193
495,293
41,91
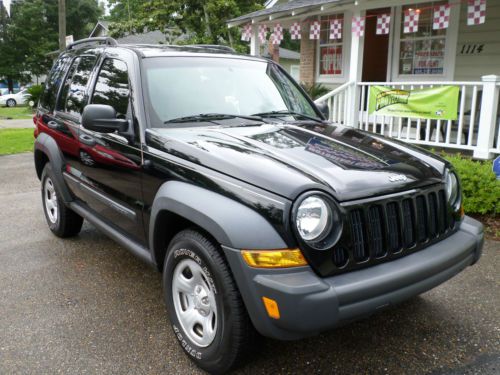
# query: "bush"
481,189
35,92
315,90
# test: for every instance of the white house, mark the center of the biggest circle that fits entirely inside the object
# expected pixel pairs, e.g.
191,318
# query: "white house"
452,53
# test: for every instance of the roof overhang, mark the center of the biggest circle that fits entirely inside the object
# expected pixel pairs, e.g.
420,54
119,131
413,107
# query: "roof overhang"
289,10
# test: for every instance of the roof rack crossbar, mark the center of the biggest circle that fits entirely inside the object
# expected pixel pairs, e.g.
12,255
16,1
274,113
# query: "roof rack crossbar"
98,40
212,46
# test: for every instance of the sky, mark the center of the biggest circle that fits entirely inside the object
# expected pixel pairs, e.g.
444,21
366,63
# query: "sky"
6,3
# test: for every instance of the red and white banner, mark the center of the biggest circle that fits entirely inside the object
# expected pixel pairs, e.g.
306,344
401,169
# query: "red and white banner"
383,24
336,29
295,31
274,39
411,21
476,12
441,17
315,30
358,26
262,33
246,33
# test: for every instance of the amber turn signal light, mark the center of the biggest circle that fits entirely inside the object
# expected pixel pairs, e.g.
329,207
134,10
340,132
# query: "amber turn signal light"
271,307
274,258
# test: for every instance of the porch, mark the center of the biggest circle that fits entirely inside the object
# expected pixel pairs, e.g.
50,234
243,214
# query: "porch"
460,55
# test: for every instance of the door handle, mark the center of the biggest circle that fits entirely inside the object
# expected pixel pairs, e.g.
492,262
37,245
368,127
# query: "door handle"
52,124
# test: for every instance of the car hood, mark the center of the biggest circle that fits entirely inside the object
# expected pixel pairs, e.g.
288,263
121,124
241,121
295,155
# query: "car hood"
290,159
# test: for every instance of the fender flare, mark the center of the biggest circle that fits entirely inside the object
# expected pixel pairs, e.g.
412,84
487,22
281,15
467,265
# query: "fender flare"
45,144
228,221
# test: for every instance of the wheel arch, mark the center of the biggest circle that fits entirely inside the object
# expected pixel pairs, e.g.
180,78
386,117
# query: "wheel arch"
179,205
46,150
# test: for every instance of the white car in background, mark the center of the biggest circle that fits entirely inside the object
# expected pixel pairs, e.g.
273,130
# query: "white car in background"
11,100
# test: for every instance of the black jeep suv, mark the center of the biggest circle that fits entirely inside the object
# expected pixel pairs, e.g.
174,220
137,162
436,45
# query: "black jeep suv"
218,170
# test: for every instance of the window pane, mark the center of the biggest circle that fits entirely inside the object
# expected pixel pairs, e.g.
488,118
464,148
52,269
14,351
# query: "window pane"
325,29
53,82
65,90
78,87
112,87
330,60
426,11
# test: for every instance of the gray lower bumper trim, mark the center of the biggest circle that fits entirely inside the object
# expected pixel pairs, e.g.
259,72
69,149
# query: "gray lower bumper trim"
310,304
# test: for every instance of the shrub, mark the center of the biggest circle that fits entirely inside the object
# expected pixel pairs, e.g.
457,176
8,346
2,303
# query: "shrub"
481,189
315,90
35,92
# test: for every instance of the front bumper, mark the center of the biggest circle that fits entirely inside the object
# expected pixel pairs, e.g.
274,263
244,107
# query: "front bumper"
310,304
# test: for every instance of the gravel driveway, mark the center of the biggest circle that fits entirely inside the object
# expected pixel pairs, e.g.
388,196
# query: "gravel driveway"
86,306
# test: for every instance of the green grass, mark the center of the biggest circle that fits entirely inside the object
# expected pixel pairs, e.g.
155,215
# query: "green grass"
15,113
13,141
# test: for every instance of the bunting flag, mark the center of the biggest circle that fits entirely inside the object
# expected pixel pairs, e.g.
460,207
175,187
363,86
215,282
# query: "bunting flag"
262,33
315,30
278,32
441,17
358,26
295,31
246,33
476,12
274,39
336,29
383,24
411,21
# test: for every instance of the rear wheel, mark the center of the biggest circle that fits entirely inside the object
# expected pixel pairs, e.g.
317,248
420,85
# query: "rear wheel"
11,103
62,221
205,308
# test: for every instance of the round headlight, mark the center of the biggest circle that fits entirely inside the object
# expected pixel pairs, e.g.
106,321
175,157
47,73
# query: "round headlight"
313,218
451,187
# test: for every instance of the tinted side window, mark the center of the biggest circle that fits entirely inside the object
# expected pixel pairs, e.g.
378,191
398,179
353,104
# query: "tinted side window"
53,82
112,87
78,86
72,99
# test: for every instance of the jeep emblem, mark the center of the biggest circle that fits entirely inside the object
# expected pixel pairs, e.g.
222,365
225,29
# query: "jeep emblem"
397,177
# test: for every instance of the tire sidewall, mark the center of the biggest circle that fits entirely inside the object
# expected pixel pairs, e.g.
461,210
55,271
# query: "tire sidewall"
47,173
213,355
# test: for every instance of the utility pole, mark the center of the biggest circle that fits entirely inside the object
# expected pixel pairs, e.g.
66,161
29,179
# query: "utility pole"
62,25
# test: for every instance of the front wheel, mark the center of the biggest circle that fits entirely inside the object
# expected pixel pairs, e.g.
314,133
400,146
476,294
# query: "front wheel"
205,308
11,103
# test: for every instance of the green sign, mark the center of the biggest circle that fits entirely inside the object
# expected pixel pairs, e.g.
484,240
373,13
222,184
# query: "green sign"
439,103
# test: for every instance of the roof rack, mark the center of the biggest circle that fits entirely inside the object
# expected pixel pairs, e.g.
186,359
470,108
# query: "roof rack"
98,40
212,46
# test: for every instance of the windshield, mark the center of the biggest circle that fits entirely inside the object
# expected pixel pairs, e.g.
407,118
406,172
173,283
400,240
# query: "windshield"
179,87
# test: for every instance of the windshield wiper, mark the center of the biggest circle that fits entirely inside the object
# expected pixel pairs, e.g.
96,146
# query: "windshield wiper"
286,113
211,117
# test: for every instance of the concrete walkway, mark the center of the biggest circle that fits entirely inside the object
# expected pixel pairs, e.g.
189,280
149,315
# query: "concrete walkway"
17,124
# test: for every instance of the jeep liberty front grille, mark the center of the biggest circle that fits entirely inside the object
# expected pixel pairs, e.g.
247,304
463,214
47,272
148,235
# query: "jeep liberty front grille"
382,230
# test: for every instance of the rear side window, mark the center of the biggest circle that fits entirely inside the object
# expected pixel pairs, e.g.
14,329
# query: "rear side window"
112,87
73,95
53,82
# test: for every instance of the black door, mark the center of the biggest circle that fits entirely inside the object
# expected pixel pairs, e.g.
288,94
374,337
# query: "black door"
111,162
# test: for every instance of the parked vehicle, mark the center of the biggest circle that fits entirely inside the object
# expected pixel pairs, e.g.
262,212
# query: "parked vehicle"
4,91
218,170
11,100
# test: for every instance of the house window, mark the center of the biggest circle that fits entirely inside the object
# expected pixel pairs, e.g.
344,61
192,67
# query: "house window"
422,52
330,50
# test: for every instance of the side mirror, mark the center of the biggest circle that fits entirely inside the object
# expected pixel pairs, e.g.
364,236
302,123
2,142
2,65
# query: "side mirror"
102,118
324,109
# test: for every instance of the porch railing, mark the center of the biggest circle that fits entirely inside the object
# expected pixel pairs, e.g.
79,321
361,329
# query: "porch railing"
476,129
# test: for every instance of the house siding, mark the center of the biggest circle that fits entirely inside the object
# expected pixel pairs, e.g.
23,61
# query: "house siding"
471,63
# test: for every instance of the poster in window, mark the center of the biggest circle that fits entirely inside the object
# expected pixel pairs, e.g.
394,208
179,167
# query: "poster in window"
331,60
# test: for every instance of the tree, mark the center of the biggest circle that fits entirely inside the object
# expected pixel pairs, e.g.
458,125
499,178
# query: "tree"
203,21
31,33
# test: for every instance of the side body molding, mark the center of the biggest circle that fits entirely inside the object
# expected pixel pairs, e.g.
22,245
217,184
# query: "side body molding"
47,145
229,222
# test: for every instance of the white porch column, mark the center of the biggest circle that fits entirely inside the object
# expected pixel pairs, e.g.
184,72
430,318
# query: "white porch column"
255,42
355,68
488,119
